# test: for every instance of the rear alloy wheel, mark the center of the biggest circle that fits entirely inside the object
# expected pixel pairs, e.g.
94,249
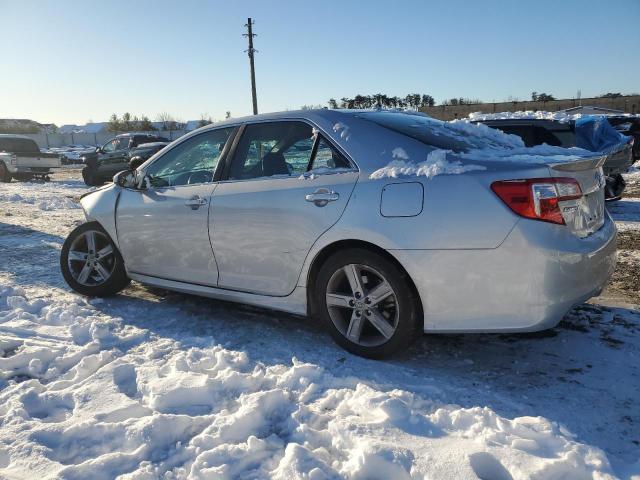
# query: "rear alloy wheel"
91,263
5,176
367,303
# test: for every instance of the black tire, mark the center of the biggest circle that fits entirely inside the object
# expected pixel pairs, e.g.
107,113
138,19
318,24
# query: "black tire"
90,177
118,279
5,176
614,187
409,319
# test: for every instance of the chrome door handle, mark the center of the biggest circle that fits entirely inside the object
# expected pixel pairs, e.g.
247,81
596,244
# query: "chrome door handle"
195,202
322,196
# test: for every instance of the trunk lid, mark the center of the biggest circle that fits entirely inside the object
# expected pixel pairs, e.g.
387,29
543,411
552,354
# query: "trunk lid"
37,160
585,215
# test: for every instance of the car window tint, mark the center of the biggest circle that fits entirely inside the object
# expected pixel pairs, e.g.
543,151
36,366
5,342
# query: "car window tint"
273,149
327,157
192,161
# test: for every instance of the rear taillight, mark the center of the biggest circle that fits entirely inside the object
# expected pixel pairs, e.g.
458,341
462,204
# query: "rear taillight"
14,159
538,198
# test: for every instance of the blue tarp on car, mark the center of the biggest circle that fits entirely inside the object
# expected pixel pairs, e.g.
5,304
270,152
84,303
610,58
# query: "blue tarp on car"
595,133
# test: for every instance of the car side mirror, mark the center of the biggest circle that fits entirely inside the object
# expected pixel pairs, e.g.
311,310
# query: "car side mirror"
125,179
135,162
98,149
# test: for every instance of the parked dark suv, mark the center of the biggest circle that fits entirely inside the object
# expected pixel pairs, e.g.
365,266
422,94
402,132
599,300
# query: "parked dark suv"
144,152
591,133
113,157
629,126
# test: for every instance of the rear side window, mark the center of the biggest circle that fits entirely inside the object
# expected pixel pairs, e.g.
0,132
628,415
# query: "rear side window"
15,145
270,149
283,149
327,157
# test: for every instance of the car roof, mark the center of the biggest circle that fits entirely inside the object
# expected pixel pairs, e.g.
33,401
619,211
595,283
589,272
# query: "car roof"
11,135
311,114
134,134
152,144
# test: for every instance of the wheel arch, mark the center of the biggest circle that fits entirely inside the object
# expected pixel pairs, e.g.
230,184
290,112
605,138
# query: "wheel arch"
335,247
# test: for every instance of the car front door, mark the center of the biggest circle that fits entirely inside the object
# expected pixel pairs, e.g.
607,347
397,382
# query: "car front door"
113,156
163,230
283,188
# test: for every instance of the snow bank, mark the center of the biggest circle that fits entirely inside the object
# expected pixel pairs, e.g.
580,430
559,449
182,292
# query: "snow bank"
43,202
85,395
435,164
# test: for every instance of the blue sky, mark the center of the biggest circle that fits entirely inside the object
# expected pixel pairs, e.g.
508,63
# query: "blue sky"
69,61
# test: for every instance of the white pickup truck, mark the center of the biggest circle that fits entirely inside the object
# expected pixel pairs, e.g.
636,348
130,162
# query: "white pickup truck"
20,158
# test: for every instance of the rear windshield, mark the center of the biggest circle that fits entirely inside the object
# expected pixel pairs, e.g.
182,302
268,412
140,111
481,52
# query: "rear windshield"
16,145
458,136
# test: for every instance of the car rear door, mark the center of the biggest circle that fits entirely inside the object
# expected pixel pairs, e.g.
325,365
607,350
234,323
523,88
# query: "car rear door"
163,231
271,207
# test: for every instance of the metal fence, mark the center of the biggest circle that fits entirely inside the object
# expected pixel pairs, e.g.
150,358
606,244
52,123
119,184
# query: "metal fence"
49,140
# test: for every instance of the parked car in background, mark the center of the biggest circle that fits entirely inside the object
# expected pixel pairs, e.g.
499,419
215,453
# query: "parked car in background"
21,158
113,157
144,152
592,133
380,224
71,154
630,126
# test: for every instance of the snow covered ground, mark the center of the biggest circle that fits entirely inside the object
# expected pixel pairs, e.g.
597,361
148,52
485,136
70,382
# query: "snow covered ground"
151,384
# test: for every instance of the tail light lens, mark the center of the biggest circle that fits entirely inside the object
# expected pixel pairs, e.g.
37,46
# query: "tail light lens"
14,159
538,198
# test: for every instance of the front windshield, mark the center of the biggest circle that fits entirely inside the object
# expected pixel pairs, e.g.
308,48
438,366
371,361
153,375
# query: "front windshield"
458,136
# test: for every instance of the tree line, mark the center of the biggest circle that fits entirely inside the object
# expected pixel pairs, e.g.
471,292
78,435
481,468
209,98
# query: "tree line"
412,100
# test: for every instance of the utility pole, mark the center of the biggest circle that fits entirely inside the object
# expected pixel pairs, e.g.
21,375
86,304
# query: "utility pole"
251,51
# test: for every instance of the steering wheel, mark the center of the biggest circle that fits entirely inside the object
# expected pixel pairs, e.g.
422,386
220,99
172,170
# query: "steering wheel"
199,177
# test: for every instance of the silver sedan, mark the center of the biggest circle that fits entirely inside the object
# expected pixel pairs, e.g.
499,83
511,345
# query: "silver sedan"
380,224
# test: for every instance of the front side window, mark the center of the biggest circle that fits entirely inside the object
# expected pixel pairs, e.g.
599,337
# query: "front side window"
191,162
110,146
122,143
273,149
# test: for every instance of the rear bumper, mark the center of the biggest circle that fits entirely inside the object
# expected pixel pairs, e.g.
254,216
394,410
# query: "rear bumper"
526,284
31,170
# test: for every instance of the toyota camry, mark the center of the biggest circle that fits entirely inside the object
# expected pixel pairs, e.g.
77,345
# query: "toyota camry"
380,224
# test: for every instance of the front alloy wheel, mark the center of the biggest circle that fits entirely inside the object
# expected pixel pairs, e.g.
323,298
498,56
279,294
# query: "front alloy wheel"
367,303
90,262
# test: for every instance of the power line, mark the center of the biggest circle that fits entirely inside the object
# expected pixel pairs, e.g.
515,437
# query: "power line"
251,51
